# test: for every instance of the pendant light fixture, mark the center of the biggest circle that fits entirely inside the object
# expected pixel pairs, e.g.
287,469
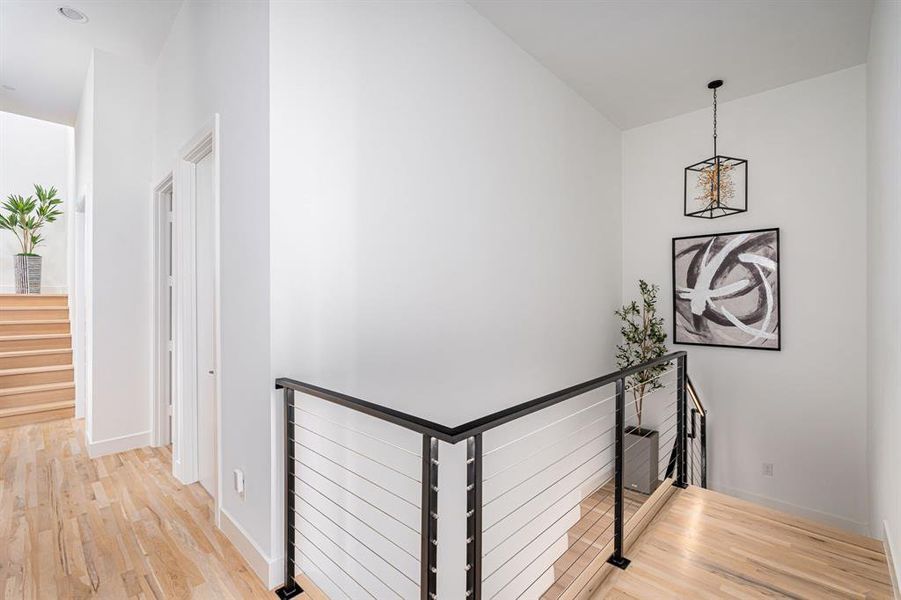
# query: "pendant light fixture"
716,187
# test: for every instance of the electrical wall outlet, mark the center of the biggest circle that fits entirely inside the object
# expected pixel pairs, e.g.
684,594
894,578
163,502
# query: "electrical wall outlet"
767,469
239,482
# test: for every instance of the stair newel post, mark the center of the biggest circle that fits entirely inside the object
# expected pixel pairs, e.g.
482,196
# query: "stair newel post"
290,589
428,558
617,559
682,421
474,517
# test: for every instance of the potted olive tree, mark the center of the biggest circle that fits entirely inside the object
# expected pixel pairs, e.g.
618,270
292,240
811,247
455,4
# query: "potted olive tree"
25,217
643,339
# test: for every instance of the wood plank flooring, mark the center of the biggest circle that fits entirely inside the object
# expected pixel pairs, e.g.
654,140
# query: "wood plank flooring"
122,527
707,545
116,527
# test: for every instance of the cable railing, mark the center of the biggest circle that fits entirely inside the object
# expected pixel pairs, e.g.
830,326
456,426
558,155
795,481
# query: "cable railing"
554,486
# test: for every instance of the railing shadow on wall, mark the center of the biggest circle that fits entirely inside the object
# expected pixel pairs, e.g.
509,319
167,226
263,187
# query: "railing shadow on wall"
555,486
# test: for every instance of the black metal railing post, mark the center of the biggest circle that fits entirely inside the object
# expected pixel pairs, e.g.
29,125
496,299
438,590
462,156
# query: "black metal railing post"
617,559
474,517
428,581
692,435
704,450
290,589
682,422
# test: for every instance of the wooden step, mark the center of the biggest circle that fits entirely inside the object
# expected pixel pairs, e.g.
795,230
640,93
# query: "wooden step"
35,358
52,341
47,411
33,313
36,394
23,376
34,327
23,300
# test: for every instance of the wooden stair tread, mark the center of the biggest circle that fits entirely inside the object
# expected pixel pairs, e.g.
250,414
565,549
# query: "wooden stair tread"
42,387
36,322
34,336
44,352
49,307
36,408
24,370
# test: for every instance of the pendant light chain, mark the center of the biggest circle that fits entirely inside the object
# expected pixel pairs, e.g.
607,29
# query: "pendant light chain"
714,121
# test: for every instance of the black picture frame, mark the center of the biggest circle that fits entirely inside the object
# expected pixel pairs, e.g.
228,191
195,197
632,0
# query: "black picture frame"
778,328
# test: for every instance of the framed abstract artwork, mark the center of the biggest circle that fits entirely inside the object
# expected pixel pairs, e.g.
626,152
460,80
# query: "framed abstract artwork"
726,290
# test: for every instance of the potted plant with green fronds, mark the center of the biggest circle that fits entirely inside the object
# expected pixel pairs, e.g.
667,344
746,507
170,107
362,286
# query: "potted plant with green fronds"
644,339
25,216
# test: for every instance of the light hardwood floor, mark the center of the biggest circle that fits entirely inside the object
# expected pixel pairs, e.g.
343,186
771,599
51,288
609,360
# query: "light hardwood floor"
123,527
707,545
117,527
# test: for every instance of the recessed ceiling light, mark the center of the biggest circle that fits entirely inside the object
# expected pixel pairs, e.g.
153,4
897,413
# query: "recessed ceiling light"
72,14
8,88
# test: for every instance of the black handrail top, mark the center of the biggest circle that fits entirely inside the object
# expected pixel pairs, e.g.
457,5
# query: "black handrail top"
452,435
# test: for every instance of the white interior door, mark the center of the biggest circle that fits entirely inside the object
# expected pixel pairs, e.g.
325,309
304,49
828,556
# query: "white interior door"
206,318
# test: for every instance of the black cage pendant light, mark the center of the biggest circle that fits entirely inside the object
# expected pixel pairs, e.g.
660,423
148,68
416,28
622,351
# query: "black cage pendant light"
716,187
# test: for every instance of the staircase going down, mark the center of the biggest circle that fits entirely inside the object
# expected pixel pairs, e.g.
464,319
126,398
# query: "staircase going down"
37,380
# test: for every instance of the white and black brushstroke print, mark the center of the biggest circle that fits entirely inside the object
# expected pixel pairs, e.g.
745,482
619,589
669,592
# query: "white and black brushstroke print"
726,290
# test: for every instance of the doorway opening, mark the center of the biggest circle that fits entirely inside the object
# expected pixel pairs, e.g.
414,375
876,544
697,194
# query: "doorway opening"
187,328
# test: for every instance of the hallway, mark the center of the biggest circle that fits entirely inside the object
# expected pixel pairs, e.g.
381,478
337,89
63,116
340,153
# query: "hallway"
116,527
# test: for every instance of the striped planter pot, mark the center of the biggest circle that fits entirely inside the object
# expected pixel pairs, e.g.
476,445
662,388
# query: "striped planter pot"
28,274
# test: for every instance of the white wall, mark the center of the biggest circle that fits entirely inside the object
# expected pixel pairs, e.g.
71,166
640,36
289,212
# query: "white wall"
804,408
215,61
445,218
118,244
884,291
80,274
36,152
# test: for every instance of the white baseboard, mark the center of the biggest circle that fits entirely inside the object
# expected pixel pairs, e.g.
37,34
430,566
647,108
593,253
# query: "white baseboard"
801,511
892,559
266,569
118,444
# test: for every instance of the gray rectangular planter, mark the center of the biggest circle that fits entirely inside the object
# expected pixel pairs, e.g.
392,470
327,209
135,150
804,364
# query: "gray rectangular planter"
28,274
641,460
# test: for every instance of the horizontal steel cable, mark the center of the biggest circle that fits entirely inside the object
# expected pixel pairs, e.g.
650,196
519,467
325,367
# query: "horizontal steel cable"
358,453
548,466
324,574
331,560
502,446
351,556
346,511
357,431
573,544
552,504
543,448
560,479
364,500
543,427
549,486
546,529
352,472
358,540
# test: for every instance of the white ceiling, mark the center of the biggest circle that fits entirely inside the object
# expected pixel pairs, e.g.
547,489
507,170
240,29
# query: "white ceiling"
45,57
640,61
636,61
